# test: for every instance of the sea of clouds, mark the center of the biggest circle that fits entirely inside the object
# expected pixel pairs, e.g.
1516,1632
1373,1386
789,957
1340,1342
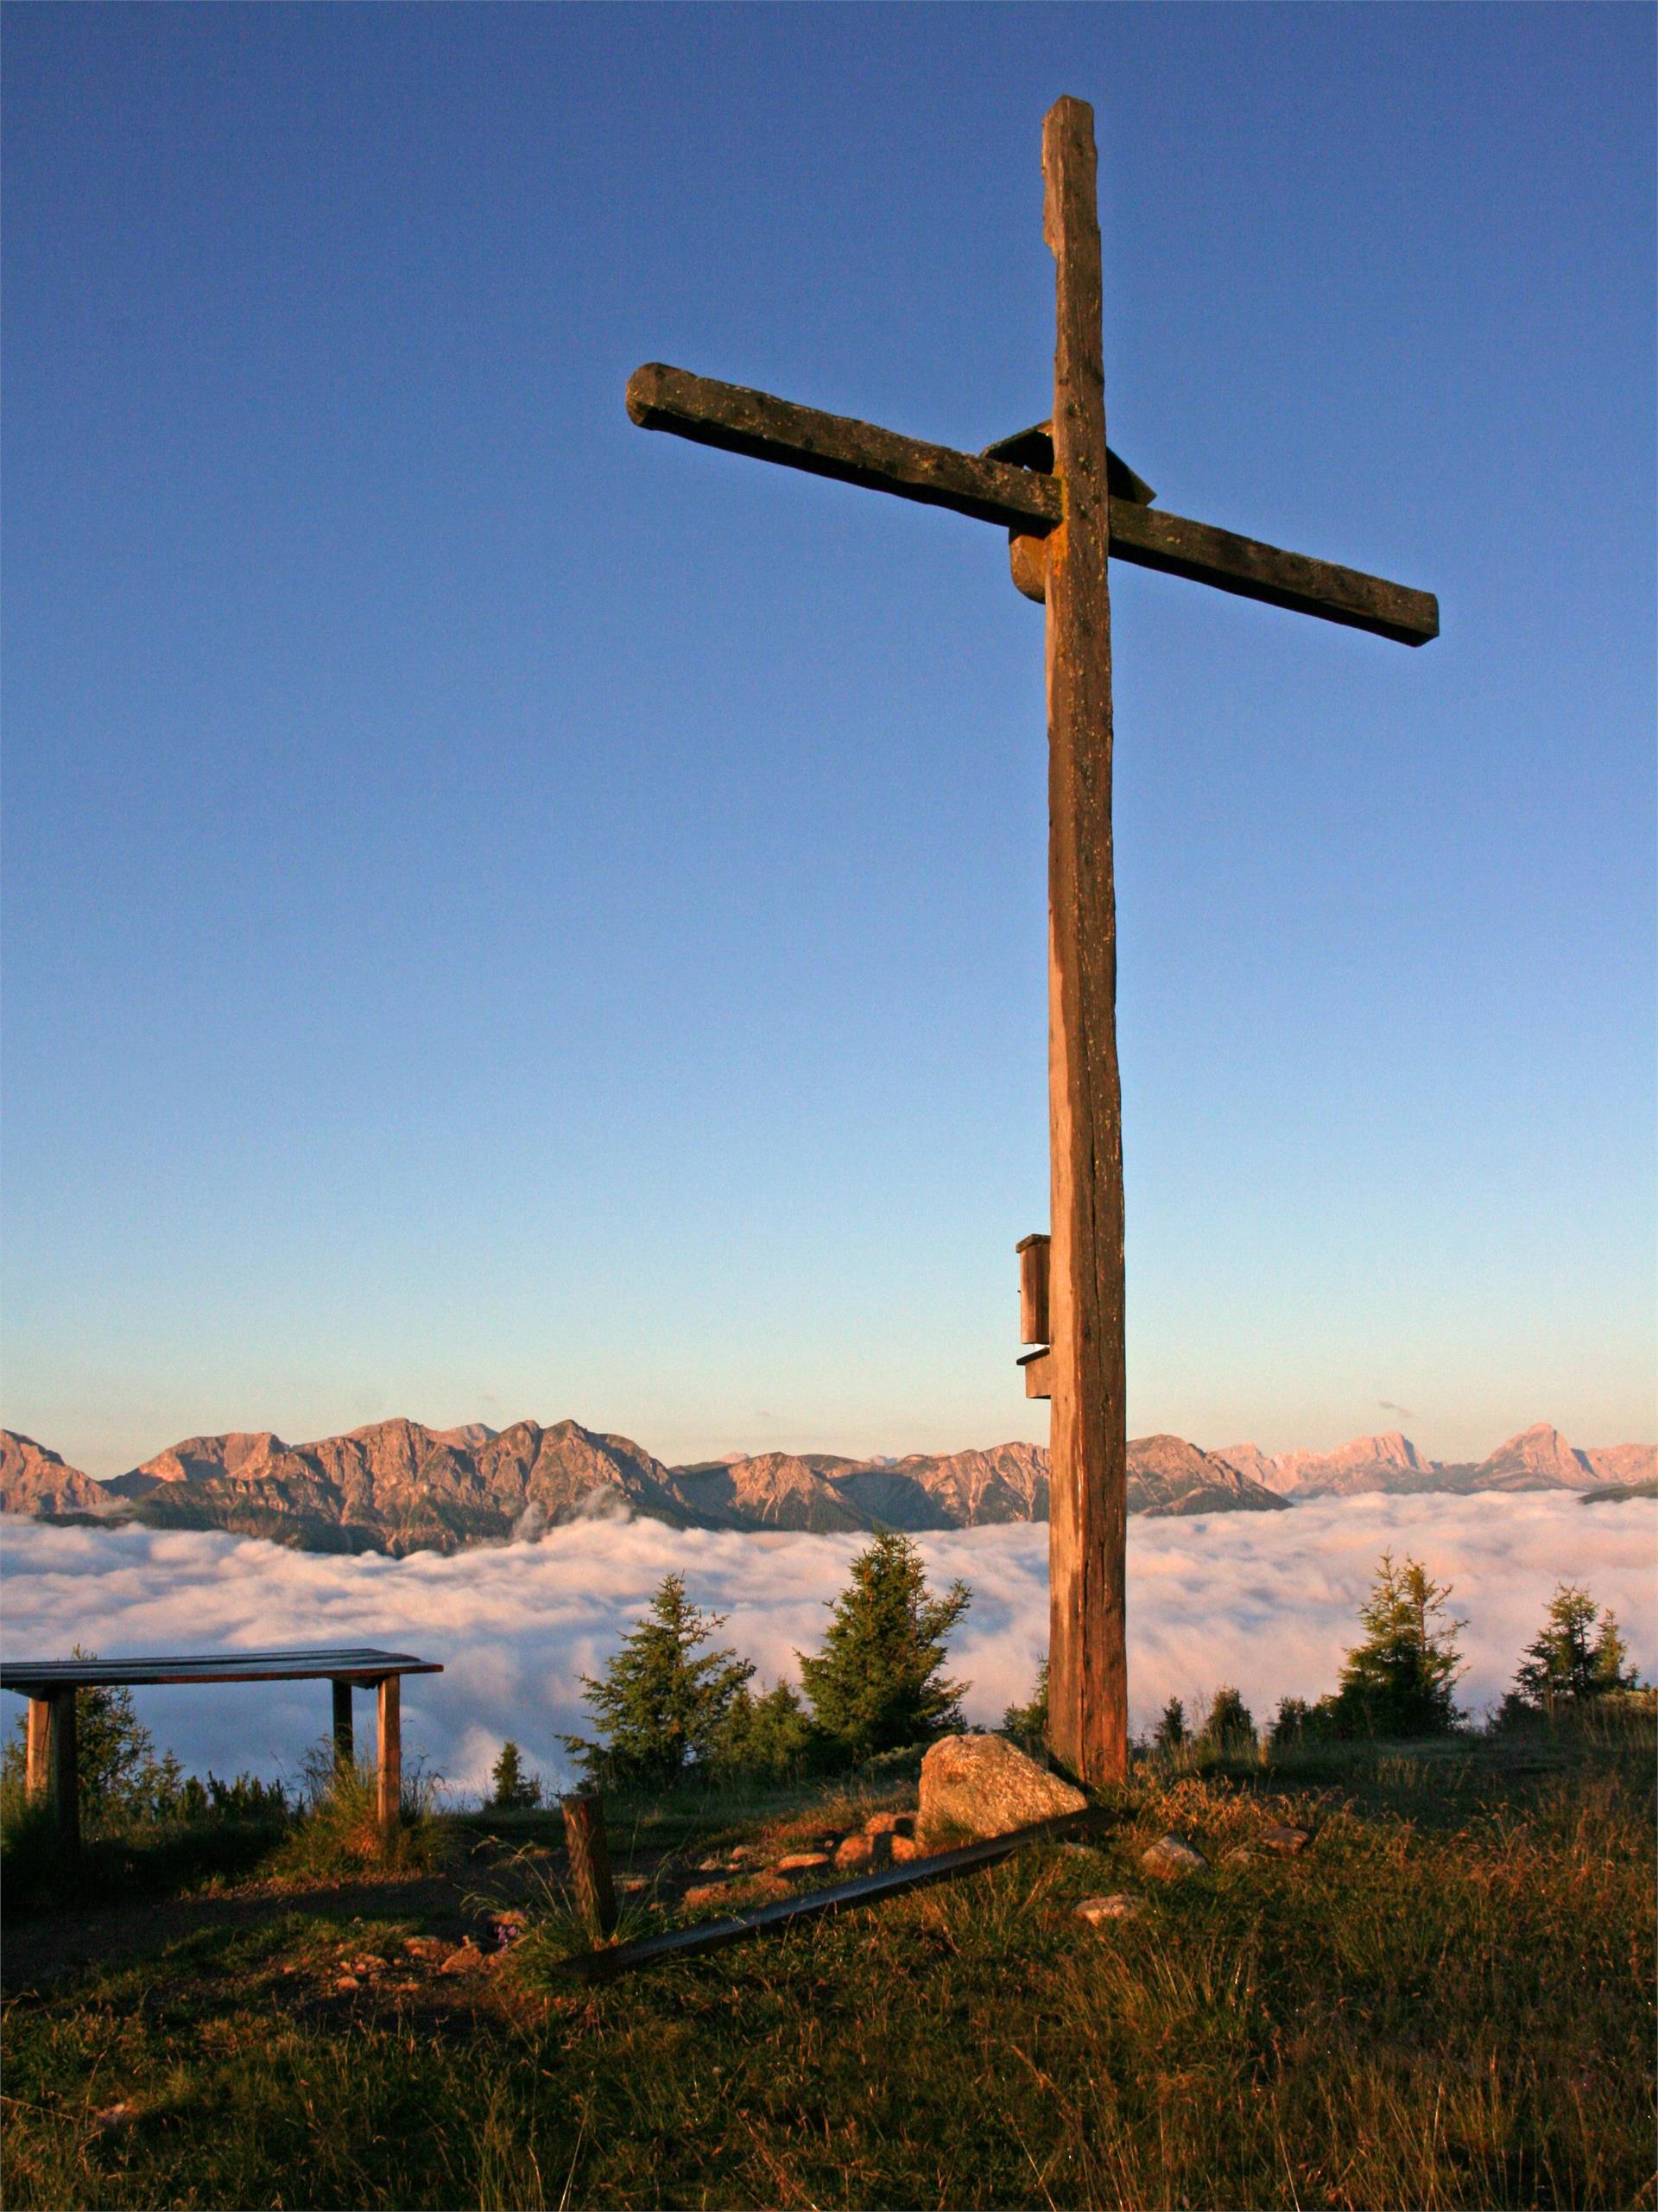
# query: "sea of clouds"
1267,1601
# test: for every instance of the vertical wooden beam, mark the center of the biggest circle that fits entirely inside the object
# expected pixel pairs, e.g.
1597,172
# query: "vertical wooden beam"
63,1766
1033,1289
1087,1670
590,1861
389,1776
344,1742
37,1771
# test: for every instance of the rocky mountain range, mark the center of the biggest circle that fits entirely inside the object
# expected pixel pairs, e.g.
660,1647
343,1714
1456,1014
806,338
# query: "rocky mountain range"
397,1486
1539,1458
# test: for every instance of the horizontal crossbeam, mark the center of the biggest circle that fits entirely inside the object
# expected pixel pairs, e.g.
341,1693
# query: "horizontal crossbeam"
767,429
1026,500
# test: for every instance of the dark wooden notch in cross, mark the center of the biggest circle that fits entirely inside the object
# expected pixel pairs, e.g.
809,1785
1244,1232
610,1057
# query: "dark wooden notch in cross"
1070,505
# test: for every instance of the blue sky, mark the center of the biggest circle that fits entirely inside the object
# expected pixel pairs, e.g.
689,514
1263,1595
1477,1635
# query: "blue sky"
509,915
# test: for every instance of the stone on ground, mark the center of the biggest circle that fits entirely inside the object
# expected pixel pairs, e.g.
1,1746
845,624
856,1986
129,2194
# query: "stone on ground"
1172,1854
801,1862
1119,1906
1278,1837
981,1785
862,1854
890,1824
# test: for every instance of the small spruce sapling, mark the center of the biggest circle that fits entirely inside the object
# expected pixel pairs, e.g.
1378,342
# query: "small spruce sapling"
665,1705
1170,1732
1229,1731
1399,1681
516,1790
1578,1656
768,1737
878,1683
1028,1724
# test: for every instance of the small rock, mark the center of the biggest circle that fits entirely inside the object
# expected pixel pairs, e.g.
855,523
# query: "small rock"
980,1785
369,1964
1119,1906
629,1884
1172,1854
1278,1837
1241,1854
862,1854
347,1981
890,1824
405,1988
115,2120
802,1862
425,1947
467,1959
716,1865
906,1847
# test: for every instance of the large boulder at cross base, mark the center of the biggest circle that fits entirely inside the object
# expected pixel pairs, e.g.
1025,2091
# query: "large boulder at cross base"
980,1785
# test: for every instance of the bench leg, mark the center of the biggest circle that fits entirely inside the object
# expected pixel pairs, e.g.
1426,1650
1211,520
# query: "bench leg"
62,1766
345,1746
38,1771
391,1777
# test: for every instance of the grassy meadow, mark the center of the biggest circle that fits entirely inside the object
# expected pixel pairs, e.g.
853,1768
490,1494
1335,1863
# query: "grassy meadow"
1446,1999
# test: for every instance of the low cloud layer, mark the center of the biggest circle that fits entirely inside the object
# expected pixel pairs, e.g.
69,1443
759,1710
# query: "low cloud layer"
1267,1601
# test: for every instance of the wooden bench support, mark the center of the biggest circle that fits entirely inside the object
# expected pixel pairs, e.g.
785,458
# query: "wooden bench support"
390,1772
344,1743
52,1773
37,1772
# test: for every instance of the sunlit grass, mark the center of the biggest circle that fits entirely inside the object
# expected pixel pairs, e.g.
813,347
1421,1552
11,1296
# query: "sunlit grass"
1444,2000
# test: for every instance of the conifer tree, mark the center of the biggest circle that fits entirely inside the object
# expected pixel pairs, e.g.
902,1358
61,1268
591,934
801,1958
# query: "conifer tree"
1229,1731
664,1708
1171,1728
1399,1681
1579,1655
878,1682
767,1737
516,1790
1028,1724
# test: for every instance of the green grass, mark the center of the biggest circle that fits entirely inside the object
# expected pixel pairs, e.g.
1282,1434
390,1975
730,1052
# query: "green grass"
1447,1999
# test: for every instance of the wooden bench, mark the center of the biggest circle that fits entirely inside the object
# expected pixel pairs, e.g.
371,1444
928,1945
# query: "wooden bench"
50,1687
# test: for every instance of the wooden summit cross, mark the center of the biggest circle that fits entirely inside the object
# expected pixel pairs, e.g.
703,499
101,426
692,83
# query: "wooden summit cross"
1069,505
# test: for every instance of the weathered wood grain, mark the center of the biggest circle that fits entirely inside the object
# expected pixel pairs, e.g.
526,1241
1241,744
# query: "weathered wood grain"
1151,539
1033,1288
753,422
388,1777
590,1863
1088,1452
37,1769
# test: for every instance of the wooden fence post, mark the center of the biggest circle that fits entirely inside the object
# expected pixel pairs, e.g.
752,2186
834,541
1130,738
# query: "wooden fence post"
590,1861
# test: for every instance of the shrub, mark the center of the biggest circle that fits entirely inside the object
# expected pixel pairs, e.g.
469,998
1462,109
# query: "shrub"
1170,1731
1578,1656
1296,1722
664,1709
516,1789
768,1738
879,1682
1229,1731
1399,1681
1028,1724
